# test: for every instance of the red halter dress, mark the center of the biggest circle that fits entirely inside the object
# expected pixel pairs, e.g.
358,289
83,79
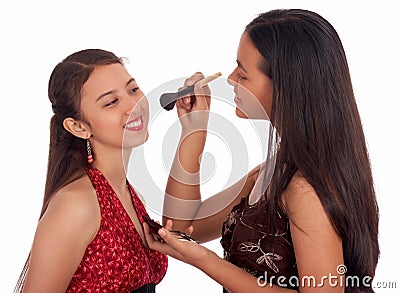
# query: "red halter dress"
117,260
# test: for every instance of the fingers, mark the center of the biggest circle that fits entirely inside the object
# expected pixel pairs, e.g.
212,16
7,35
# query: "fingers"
193,79
177,234
147,234
172,244
168,225
186,103
153,243
169,237
202,94
189,230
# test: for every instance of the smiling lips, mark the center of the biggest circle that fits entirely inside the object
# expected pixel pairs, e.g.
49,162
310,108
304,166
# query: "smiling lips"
237,99
135,124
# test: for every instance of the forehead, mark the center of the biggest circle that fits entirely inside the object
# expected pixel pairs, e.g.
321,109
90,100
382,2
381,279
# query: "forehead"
105,78
247,53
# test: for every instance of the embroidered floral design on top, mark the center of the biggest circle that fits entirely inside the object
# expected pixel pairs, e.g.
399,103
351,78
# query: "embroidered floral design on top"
267,257
250,243
230,222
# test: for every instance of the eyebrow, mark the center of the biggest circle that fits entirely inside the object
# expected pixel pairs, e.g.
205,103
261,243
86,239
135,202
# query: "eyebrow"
113,91
241,66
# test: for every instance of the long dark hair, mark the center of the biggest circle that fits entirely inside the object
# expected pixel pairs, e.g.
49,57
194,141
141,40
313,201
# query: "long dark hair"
321,136
67,153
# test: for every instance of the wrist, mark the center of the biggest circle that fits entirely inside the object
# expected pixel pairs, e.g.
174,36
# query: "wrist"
207,261
193,133
192,143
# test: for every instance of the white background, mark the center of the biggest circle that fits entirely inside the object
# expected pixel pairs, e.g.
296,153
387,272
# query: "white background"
165,40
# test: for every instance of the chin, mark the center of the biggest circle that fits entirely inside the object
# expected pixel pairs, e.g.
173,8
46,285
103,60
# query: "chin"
135,141
240,114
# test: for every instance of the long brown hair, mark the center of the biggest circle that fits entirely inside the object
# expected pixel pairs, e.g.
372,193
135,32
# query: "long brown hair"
321,135
67,160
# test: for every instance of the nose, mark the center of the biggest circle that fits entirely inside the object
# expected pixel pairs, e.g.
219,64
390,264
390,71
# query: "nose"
233,78
132,104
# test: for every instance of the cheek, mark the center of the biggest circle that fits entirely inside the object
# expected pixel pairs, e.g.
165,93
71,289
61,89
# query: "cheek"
105,121
106,126
245,90
258,98
264,96
265,100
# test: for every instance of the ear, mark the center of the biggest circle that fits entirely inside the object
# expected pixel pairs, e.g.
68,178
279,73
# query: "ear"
77,128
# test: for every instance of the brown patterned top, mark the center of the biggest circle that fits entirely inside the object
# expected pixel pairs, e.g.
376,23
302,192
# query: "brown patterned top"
262,253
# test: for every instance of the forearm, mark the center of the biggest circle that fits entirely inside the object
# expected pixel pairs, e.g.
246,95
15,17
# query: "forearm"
233,278
182,194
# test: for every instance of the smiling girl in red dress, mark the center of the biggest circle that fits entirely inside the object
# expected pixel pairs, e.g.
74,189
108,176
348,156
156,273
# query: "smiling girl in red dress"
90,235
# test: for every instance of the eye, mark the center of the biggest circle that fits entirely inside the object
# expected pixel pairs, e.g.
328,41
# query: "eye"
134,90
241,77
113,102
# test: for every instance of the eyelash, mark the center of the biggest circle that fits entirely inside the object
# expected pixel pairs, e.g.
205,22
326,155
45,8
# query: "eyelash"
241,77
134,90
111,103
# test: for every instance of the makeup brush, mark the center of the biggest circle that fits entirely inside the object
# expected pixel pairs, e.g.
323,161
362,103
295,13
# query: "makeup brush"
167,100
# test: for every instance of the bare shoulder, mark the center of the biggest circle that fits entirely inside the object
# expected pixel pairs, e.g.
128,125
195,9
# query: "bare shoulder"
299,185
69,224
75,205
302,203
297,190
78,195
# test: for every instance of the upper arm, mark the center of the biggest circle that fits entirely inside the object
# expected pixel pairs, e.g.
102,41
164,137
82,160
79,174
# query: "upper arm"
317,246
60,241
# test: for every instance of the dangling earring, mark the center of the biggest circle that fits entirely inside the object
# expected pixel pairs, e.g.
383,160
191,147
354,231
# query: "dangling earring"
89,152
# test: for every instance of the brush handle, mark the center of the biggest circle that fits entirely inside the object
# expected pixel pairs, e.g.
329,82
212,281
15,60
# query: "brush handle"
168,100
207,79
185,91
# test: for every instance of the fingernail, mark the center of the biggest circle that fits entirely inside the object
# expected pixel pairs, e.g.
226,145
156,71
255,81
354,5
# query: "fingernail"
162,232
187,100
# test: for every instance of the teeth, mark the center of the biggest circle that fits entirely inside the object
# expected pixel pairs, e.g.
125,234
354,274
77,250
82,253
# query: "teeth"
136,123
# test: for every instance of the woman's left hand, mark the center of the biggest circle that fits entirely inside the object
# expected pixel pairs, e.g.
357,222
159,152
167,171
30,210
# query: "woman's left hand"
187,251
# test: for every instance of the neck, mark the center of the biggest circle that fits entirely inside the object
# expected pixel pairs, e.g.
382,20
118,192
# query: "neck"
114,168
